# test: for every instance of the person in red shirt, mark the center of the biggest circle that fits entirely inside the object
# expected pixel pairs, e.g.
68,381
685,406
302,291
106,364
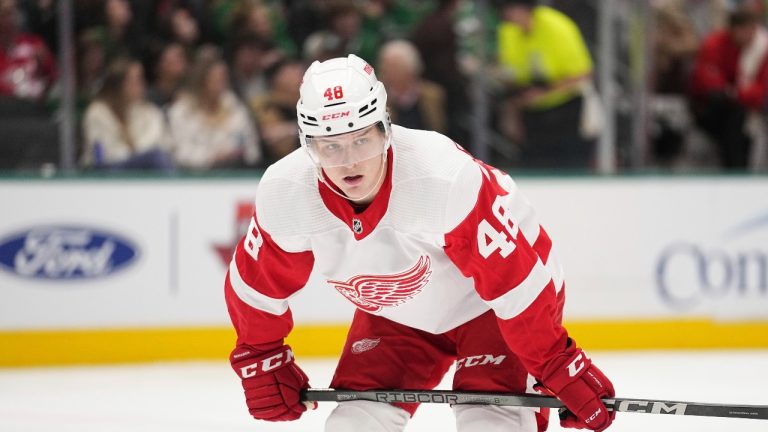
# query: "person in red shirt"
730,81
27,67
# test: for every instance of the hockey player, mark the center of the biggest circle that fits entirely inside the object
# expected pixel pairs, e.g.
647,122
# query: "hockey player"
442,255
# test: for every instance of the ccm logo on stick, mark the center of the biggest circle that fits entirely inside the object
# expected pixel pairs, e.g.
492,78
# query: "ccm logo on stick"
337,115
649,407
267,364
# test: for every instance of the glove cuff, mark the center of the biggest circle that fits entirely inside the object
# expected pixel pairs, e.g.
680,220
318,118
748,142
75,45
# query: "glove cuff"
248,363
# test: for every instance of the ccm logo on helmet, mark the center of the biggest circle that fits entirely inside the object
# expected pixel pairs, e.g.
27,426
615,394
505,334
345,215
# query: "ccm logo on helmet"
267,364
337,115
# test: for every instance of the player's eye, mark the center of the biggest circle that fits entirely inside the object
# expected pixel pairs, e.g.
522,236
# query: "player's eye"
362,141
331,148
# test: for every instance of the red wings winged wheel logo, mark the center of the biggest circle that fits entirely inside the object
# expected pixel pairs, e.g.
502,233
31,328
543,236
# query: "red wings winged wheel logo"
373,292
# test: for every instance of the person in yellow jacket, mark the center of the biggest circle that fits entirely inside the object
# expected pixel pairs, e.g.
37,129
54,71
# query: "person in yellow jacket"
546,68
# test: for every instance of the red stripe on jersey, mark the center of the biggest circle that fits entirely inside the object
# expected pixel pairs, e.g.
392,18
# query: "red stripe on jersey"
253,326
543,245
536,335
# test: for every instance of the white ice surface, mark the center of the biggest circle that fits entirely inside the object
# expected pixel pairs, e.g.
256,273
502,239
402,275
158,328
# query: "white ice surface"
206,397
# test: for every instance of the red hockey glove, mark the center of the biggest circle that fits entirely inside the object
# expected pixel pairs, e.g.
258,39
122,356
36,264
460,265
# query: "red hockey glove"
272,382
580,385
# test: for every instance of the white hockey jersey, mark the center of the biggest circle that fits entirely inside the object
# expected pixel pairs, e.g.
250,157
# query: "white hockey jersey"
445,239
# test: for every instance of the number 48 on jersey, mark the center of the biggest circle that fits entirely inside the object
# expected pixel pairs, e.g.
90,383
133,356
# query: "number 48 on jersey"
489,239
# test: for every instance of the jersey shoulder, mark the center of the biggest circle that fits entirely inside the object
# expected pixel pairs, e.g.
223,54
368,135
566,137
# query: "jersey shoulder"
435,183
288,202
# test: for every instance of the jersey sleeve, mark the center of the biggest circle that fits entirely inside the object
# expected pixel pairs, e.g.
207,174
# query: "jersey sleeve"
501,245
261,278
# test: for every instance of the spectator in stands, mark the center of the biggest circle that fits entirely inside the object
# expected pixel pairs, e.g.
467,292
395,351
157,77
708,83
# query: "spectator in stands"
546,67
118,33
178,24
438,44
264,22
210,126
344,35
170,69
301,19
91,68
385,20
411,101
276,111
251,58
674,49
122,129
729,85
27,67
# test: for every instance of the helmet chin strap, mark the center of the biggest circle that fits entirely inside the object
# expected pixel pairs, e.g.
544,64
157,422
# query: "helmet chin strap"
333,187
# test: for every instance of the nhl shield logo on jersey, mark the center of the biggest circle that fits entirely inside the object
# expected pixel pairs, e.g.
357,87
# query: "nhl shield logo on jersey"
371,293
357,226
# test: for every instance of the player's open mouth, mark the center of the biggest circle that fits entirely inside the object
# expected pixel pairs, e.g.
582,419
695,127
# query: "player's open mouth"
353,180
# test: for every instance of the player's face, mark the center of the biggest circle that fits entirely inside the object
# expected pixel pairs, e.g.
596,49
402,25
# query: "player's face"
346,149
354,162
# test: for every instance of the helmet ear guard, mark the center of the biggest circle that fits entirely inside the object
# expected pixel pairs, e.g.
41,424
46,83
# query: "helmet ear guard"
340,95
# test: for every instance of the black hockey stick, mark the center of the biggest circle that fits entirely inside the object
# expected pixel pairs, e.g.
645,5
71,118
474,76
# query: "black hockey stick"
647,406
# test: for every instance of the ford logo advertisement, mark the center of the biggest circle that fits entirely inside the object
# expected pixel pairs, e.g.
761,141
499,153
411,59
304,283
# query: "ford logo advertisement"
65,253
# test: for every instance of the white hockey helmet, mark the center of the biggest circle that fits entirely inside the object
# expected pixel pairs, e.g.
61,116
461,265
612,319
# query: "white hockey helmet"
338,96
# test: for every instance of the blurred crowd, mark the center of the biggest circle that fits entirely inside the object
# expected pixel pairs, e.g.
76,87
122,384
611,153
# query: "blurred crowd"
710,84
205,84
